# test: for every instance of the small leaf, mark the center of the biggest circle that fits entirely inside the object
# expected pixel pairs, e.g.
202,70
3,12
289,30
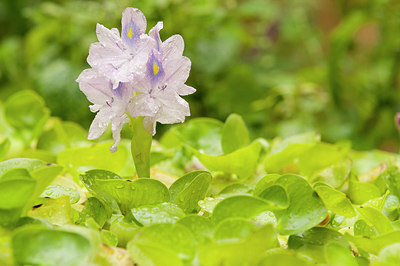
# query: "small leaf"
284,257
374,244
36,245
390,255
248,251
130,194
203,134
380,222
57,211
233,230
242,162
337,255
306,209
189,189
201,227
56,191
239,206
98,156
335,201
95,209
159,213
171,240
234,134
123,229
360,193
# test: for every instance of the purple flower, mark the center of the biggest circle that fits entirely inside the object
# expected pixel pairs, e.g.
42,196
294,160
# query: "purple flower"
137,74
121,58
166,72
111,104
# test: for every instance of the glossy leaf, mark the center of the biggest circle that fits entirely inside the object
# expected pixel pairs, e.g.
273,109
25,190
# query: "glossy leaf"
306,209
374,244
98,156
242,162
159,213
200,226
162,243
42,246
189,189
247,251
335,201
234,134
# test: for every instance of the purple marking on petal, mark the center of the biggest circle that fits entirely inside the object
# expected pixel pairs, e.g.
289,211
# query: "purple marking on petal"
155,69
118,90
130,34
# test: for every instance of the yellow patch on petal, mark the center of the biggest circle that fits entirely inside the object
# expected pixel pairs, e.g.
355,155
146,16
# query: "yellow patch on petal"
155,68
130,33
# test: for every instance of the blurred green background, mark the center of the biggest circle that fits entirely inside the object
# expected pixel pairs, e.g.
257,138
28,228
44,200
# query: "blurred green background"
287,66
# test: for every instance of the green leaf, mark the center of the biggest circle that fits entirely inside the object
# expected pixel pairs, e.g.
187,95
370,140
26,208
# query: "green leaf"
377,219
276,195
390,255
284,257
242,162
57,211
201,227
90,180
25,110
360,193
148,254
98,156
123,229
241,206
312,242
233,230
174,240
159,213
189,189
235,189
28,164
95,209
335,201
320,156
284,153
264,183
131,194
339,255
36,245
392,179
127,194
306,209
16,188
203,134
335,175
361,228
374,244
234,134
109,238
247,251
4,147
56,191
62,135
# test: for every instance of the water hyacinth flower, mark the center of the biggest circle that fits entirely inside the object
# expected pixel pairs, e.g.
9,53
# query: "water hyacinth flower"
137,75
166,73
111,104
121,57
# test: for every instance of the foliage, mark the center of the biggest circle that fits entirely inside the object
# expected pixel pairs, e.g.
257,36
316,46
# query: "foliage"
286,67
215,197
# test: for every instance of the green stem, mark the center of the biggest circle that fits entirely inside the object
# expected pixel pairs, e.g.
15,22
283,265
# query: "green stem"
140,147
